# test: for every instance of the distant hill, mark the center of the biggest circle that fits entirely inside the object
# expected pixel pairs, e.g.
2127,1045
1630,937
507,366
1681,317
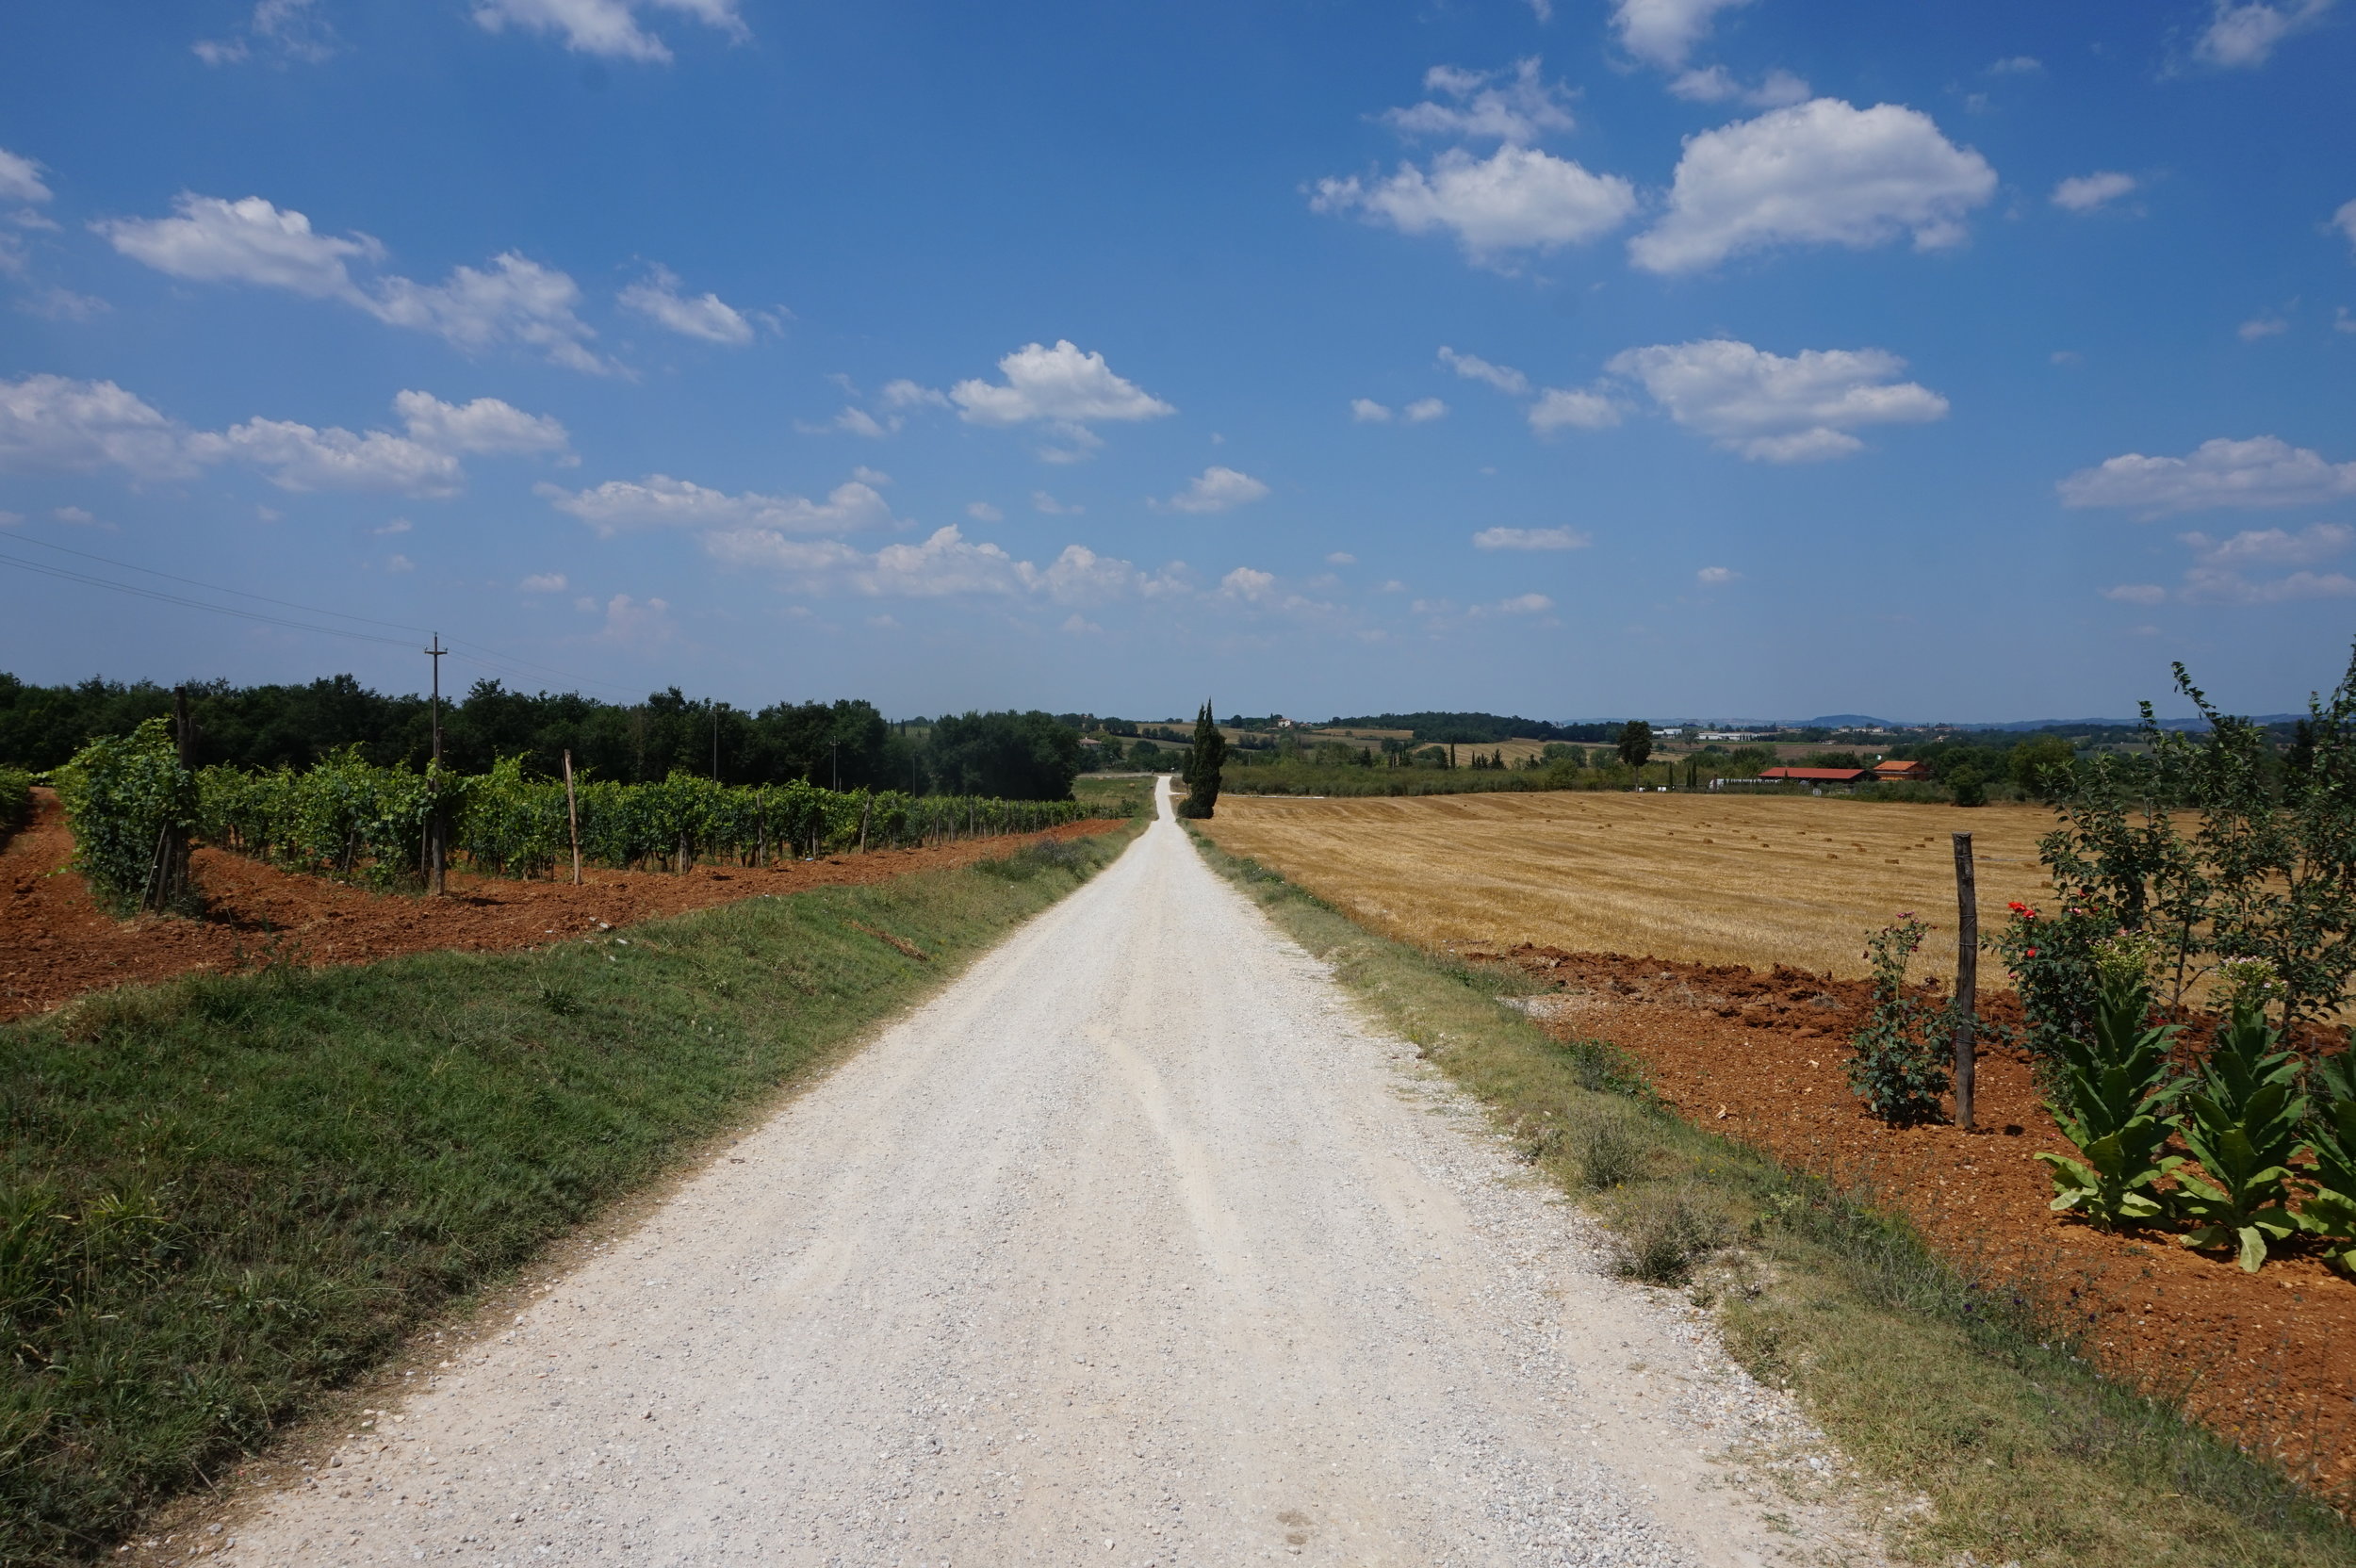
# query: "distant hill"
1480,729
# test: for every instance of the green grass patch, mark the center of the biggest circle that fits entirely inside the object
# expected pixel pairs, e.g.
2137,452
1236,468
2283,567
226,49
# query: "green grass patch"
223,1197
1116,796
1939,1384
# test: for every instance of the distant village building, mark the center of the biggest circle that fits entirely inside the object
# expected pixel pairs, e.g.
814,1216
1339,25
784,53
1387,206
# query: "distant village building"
1730,735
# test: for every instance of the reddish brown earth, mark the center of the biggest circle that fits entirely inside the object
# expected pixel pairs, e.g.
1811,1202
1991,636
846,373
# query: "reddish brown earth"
2268,1358
55,944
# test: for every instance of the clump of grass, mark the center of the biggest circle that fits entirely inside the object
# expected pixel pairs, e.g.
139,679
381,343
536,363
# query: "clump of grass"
1934,1382
223,1196
1609,1156
1661,1240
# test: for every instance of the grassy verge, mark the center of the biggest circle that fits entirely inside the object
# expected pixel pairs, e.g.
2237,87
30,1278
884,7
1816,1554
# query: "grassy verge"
222,1197
1937,1385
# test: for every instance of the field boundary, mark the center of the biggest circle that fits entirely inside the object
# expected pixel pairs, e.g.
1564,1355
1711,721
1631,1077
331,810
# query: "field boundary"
1976,1426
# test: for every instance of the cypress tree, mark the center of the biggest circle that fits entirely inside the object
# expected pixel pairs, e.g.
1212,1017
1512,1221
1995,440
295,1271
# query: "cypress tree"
1206,756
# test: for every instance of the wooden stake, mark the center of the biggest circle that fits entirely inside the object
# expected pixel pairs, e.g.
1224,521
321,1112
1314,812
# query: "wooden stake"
1966,977
867,809
572,816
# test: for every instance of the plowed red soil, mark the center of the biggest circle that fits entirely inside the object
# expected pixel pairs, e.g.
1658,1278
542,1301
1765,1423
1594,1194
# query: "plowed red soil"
55,944
2268,1358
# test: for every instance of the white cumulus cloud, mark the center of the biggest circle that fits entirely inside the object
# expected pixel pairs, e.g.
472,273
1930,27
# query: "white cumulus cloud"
982,512
1776,409
2246,35
1473,368
1517,198
2345,220
1559,409
607,28
514,299
2274,547
1365,411
546,583
2136,593
302,457
2085,192
486,425
2264,472
1531,539
661,502
1823,172
277,29
1516,106
706,315
51,423
1216,489
1059,385
20,178
1424,410
1663,32
1717,85
212,240
1711,577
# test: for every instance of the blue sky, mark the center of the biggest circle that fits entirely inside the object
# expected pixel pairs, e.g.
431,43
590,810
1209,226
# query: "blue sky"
1678,357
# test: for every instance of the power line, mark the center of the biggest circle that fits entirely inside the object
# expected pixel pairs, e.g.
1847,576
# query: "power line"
485,658
70,576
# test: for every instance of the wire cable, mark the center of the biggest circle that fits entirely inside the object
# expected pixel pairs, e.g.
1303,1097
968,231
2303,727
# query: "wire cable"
484,657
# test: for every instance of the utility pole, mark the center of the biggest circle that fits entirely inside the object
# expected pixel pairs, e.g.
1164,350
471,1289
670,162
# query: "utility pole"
1966,977
715,743
435,829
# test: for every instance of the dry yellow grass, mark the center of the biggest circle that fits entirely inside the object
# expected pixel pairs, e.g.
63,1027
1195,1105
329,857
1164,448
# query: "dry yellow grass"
1702,878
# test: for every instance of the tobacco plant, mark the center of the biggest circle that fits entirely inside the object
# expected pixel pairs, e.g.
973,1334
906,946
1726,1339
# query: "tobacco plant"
2244,1127
2114,1087
2330,1212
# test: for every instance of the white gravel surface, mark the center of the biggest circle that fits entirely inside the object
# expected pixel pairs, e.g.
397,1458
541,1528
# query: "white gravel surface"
1135,1245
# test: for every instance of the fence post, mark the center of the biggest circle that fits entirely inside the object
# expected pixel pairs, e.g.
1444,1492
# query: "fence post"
1966,977
866,810
572,817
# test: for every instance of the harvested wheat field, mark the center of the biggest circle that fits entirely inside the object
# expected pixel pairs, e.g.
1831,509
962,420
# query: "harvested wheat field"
1698,878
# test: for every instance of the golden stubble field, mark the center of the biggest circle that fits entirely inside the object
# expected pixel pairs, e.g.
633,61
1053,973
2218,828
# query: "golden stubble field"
1796,880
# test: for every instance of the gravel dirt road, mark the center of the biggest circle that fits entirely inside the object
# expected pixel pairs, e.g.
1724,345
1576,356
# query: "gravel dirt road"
1135,1245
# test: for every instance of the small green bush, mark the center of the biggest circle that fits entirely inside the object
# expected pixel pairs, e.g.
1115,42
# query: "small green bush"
1898,1062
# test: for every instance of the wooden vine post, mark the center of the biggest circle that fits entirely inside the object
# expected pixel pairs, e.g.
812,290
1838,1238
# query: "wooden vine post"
1966,977
572,817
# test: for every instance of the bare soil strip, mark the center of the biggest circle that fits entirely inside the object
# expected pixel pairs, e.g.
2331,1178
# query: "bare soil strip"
1130,1248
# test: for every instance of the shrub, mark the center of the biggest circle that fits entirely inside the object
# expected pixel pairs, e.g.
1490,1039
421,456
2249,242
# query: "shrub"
2114,1088
1608,1156
16,800
1660,1241
1898,1062
130,801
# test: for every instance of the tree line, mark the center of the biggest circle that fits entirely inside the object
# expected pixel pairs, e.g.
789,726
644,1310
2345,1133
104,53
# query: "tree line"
842,744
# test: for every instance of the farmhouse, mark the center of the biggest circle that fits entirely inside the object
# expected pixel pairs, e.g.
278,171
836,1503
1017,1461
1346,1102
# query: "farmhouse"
1893,770
1819,776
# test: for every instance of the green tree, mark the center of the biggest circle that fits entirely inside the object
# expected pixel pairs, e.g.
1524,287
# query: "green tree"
1009,756
1635,745
1206,756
